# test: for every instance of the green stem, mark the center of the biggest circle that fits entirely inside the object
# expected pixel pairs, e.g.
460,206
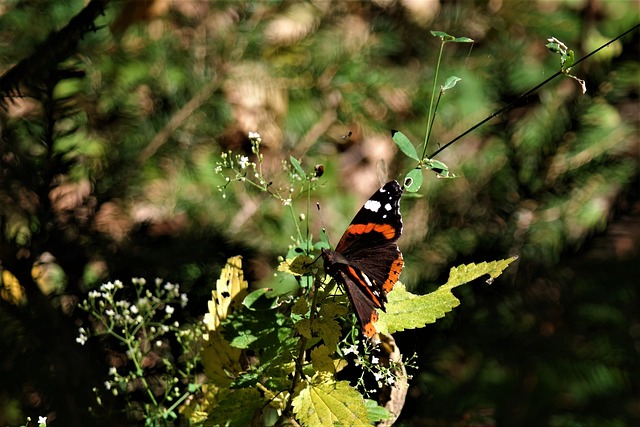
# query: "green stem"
431,107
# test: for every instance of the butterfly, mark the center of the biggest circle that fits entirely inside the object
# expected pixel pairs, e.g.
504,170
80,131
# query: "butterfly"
367,260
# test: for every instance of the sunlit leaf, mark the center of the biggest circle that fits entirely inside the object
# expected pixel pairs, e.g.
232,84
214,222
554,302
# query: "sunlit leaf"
404,144
328,403
231,288
413,180
450,83
440,168
408,311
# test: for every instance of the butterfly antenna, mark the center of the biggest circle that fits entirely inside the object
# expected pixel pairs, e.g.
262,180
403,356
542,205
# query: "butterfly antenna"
324,229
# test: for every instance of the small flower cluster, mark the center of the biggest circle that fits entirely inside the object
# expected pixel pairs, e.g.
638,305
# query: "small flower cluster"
42,421
142,325
239,168
121,317
365,358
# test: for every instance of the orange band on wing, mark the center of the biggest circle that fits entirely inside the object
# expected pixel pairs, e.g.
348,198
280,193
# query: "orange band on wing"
388,231
394,274
368,328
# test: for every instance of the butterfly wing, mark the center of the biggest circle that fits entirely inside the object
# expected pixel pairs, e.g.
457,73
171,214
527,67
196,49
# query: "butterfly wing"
369,244
367,259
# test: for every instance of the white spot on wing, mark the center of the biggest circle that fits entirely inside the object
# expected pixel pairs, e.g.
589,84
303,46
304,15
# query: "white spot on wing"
366,279
372,205
388,207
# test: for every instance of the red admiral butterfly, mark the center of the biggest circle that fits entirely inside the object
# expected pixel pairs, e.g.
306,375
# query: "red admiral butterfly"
367,261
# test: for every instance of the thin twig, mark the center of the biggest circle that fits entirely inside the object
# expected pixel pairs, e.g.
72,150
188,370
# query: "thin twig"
529,92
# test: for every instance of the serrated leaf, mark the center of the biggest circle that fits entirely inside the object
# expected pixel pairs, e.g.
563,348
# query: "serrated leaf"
301,306
450,83
413,180
236,408
328,330
408,311
298,266
220,361
303,327
231,288
321,359
296,165
376,412
330,403
404,144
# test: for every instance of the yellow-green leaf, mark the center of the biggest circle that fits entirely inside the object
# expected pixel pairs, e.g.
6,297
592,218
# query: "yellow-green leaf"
321,359
298,266
330,403
231,288
408,311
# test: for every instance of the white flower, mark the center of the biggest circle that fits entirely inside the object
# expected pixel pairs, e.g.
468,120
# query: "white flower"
134,309
169,310
107,286
107,385
351,349
42,420
374,360
254,135
109,312
378,376
82,339
184,299
159,343
243,162
113,371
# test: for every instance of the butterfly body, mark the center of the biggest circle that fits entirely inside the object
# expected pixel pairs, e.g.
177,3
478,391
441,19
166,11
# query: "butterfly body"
367,260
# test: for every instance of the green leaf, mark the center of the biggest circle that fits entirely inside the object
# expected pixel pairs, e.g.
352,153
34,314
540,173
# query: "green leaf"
408,311
553,47
569,59
449,38
376,412
329,403
259,300
413,180
450,83
440,168
321,359
444,36
236,408
404,144
297,166
220,360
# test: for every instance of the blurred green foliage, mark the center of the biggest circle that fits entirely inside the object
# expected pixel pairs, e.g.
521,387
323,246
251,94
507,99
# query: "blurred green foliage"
107,162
